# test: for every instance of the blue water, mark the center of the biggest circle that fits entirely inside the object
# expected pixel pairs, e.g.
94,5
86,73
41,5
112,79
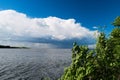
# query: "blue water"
33,64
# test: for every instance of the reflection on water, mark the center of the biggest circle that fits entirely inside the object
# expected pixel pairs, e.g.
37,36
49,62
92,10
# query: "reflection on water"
33,64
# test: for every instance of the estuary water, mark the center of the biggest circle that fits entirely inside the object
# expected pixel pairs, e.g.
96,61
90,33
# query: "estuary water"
33,64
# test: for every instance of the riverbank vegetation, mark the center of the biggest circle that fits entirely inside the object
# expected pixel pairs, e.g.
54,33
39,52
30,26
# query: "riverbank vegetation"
12,47
103,63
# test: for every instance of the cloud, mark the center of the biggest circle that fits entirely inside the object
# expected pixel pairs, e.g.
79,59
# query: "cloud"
13,23
95,27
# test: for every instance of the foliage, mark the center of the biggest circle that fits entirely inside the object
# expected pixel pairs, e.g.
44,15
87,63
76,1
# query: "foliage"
82,64
99,64
117,22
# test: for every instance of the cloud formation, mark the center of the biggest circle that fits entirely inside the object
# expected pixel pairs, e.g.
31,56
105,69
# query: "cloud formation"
13,23
95,27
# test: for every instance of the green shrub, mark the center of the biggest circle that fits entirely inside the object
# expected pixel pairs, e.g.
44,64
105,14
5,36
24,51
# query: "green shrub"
103,63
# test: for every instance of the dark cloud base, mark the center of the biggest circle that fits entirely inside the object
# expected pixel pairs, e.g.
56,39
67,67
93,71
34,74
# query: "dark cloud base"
57,43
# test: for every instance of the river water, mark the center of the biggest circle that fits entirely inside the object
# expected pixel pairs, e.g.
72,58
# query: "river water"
33,64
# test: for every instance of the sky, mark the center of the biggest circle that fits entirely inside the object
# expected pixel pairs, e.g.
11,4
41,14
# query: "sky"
56,23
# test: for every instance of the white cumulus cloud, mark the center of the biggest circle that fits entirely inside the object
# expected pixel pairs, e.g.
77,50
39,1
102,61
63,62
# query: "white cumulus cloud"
13,23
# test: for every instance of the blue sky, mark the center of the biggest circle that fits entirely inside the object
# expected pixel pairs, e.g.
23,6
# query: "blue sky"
88,13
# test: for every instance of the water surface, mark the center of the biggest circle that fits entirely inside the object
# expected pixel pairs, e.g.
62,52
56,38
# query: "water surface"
33,64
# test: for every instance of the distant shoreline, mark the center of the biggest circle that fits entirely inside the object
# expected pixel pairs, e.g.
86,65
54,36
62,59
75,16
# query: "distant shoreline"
12,47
